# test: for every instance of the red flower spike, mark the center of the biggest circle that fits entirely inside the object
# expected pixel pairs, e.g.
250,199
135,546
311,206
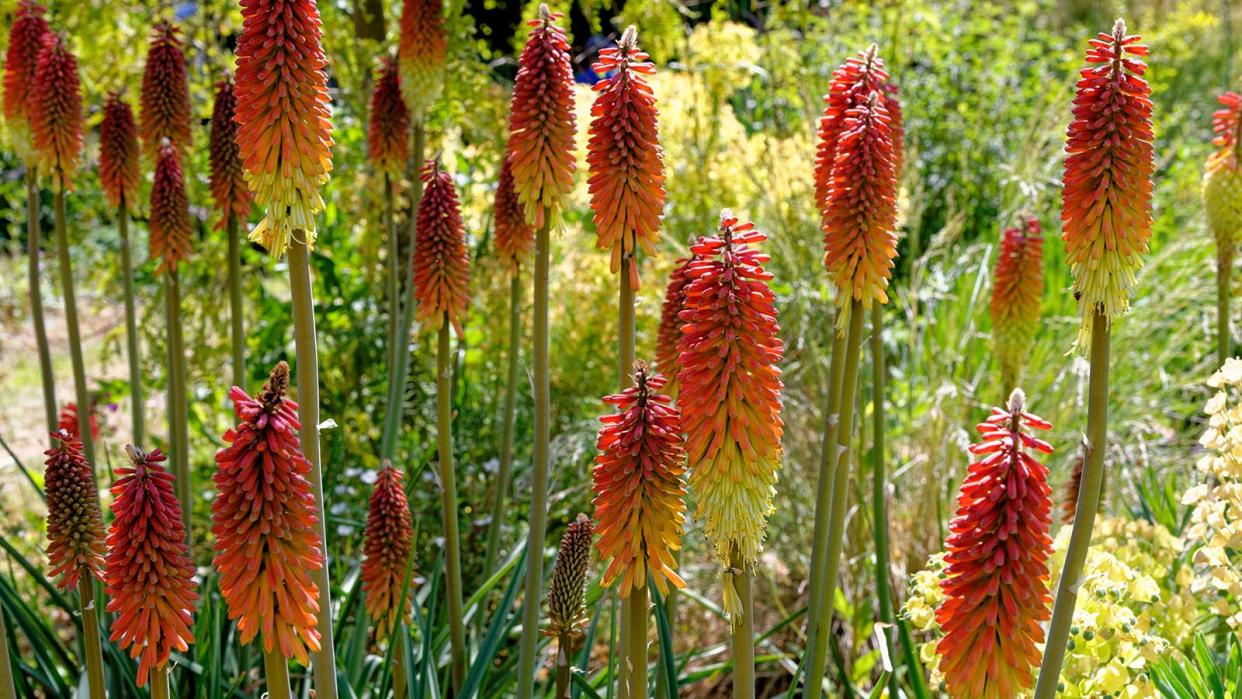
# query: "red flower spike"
389,132
515,239
56,113
150,579
541,121
264,521
388,541
441,261
1227,133
20,64
624,155
75,533
170,211
165,98
640,490
423,54
1106,200
118,153
861,211
668,336
996,566
228,177
284,120
67,421
1017,291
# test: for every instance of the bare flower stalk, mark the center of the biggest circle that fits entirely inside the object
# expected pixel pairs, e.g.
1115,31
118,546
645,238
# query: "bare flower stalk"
34,254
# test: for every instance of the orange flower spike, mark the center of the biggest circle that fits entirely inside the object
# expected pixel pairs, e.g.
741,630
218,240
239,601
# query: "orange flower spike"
75,532
284,119
228,177
441,261
389,132
996,574
1222,182
624,155
541,121
515,239
21,62
852,83
861,210
1227,132
640,486
423,54
149,577
264,521
170,210
119,172
56,113
1106,200
388,541
68,421
669,334
165,98
1017,291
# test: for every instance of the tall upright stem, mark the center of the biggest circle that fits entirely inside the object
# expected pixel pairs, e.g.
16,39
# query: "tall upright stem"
539,466
91,646
636,609
178,402
276,672
237,311
836,520
36,299
1084,514
138,414
563,643
448,504
393,284
308,414
75,335
159,683
1224,290
7,690
743,640
879,478
501,486
400,674
633,606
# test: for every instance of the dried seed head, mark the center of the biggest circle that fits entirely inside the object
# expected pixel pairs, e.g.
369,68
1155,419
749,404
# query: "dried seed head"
75,533
567,590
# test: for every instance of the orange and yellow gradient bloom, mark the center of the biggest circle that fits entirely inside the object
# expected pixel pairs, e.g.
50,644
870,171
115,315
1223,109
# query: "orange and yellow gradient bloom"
228,177
422,53
388,134
515,238
119,172
21,61
75,531
1017,291
170,210
441,261
165,100
1222,180
388,541
56,113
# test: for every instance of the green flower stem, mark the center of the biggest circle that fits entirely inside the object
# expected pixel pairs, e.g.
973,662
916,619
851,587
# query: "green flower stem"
399,673
308,414
563,662
237,310
634,606
1224,290
36,299
159,683
178,406
879,478
393,283
138,415
7,690
527,648
448,504
276,671
75,335
637,608
743,639
501,486
1084,514
91,646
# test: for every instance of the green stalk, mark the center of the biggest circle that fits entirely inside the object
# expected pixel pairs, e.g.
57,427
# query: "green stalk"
636,651
393,284
563,643
7,690
823,495
501,486
75,335
236,310
91,646
396,388
634,606
836,521
36,300
879,478
178,406
399,672
1084,514
527,648
448,504
131,330
159,683
308,415
276,671
1224,290
743,639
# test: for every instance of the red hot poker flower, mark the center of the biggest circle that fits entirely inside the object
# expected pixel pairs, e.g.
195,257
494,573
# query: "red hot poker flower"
515,239
1227,132
20,64
996,584
639,486
75,533
422,52
170,211
1106,201
390,122
441,261
624,156
56,113
1017,291
669,335
264,521
150,579
228,177
388,541
541,121
68,421
165,93
118,153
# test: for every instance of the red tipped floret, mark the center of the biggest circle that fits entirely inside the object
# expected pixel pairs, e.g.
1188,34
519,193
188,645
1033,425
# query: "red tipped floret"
75,532
441,261
20,64
541,121
423,53
170,211
1227,133
118,153
56,113
265,523
515,239
624,156
388,541
640,486
228,177
668,336
1017,291
389,132
150,579
68,421
165,93
996,565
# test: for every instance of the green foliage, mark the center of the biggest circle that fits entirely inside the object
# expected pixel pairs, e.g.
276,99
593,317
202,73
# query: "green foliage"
1206,675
